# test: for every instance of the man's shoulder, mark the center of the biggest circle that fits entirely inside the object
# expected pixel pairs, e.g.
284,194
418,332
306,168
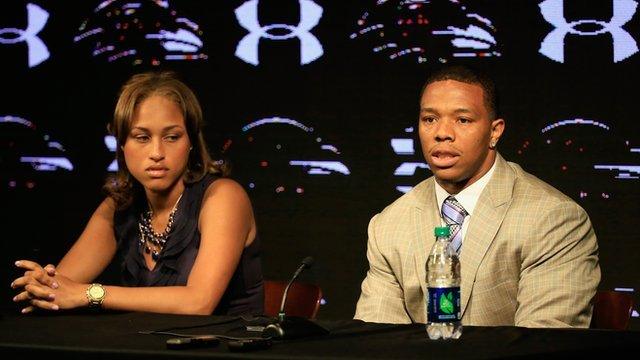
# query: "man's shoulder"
393,228
416,197
531,190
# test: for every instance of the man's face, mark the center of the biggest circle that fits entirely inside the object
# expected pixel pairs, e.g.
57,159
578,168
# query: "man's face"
456,133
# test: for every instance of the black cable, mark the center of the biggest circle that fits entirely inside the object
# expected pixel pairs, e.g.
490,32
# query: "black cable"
222,337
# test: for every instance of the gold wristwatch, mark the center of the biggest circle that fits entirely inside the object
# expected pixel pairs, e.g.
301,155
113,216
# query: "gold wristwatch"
95,295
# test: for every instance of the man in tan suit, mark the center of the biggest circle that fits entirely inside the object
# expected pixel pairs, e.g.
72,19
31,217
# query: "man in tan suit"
529,255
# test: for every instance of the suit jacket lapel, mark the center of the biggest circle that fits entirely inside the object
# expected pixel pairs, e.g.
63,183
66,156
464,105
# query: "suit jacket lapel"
425,217
485,222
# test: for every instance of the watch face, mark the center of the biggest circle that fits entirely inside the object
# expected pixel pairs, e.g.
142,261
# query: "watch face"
96,292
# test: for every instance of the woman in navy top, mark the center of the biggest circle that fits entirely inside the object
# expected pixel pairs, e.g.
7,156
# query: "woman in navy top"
184,235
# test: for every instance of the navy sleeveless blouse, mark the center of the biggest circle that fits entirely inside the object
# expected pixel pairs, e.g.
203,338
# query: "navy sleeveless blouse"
245,292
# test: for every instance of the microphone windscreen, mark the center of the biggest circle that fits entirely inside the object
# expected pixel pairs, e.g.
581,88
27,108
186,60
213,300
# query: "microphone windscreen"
308,261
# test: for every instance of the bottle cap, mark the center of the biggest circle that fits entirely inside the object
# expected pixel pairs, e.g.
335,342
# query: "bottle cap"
442,231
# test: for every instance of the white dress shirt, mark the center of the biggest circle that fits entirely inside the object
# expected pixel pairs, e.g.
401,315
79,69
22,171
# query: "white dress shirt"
468,198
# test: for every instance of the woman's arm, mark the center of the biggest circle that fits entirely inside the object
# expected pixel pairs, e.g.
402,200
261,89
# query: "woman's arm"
226,225
86,259
94,249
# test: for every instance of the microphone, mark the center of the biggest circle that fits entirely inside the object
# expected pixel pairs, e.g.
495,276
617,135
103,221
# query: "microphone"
306,263
290,327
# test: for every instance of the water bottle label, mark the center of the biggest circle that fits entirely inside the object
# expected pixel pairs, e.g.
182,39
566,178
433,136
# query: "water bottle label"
443,304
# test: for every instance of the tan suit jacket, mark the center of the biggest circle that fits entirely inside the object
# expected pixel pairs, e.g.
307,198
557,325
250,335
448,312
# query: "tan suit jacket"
529,257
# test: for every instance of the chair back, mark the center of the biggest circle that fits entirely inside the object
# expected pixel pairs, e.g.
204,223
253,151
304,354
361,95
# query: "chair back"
303,299
611,310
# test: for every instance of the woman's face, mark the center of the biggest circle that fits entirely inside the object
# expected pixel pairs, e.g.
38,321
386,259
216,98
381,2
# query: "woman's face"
157,149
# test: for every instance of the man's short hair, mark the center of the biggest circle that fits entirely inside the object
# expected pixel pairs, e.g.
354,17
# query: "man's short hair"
472,76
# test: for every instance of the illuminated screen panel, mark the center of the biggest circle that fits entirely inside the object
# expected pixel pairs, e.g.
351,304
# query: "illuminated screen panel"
314,106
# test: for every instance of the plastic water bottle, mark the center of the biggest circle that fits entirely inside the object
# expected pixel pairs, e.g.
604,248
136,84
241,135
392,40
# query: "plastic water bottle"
443,284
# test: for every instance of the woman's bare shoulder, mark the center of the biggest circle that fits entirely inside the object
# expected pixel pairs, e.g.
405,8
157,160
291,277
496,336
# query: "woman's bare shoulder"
225,188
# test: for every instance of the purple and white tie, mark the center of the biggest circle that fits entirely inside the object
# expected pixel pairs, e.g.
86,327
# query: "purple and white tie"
453,214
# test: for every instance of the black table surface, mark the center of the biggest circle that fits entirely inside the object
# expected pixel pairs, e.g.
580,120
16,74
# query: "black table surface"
119,336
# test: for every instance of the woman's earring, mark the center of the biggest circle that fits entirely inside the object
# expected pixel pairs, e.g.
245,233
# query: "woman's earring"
492,144
191,148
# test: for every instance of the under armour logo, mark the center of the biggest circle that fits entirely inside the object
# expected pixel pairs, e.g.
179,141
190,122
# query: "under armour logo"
36,20
624,45
310,47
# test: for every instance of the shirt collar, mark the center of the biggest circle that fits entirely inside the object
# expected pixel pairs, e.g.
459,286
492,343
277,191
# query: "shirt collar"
469,196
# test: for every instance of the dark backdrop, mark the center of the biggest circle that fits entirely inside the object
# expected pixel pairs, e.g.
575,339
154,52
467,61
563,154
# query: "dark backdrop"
344,108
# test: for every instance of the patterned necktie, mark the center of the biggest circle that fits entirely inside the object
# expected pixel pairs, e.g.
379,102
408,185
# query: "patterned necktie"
453,214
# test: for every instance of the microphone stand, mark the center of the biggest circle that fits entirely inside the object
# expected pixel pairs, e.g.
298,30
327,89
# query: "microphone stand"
291,327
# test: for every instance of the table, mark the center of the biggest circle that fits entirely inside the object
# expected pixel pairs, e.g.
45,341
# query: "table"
117,336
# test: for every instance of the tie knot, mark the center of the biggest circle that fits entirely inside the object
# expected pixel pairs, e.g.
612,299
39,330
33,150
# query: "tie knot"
452,211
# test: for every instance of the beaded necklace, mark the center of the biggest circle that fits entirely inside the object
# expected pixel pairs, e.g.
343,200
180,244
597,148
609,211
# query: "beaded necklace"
149,239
